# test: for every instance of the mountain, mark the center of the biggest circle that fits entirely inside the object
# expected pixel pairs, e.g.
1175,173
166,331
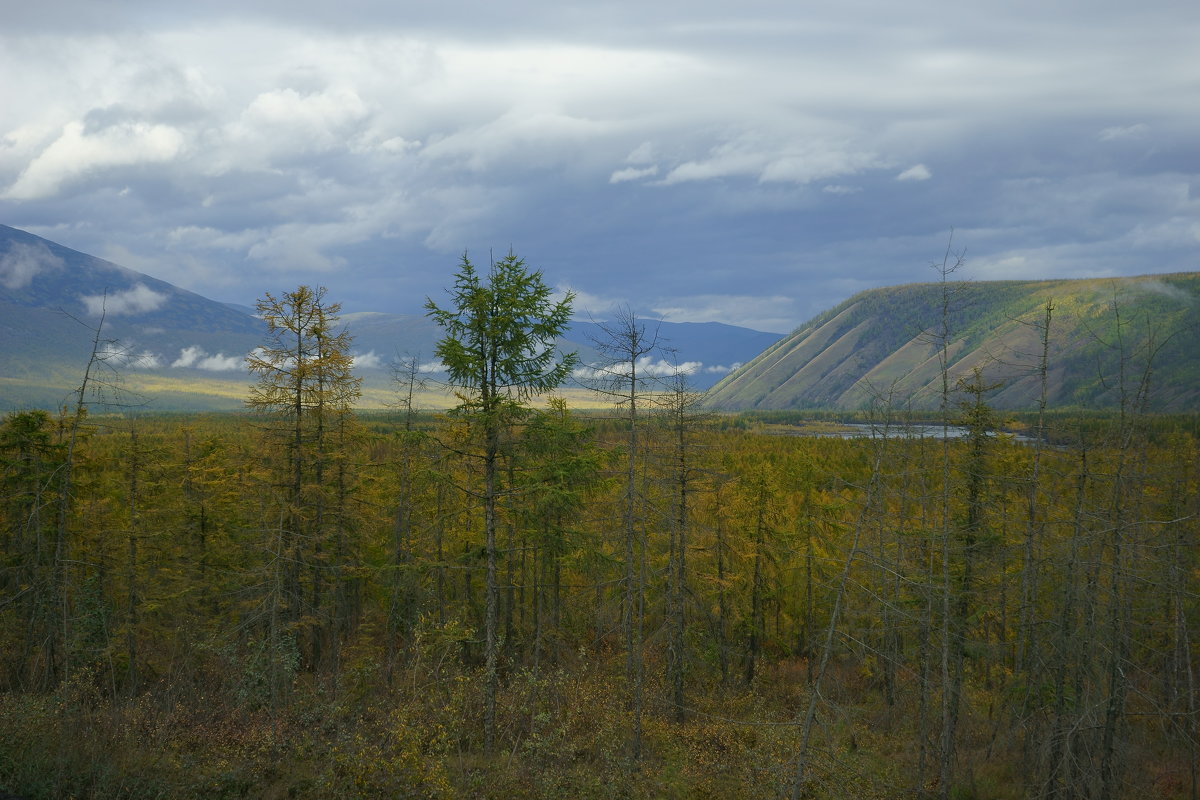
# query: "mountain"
885,343
180,350
52,299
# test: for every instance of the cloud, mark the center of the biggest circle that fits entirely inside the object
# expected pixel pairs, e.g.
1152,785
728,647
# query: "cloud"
279,252
114,353
368,360
647,367
729,159
593,307
146,360
759,312
78,151
137,300
188,356
1164,289
24,262
283,123
720,369
797,156
222,363
642,154
632,174
1138,131
194,357
124,355
917,172
1014,266
232,150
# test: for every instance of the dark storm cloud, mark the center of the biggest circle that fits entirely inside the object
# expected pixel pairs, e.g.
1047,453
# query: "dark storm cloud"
753,165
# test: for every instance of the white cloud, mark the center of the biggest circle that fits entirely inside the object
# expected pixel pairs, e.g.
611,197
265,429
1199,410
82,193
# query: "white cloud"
917,172
222,363
78,151
379,139
759,312
818,164
188,356
115,353
647,367
642,154
1014,266
589,306
721,369
1164,289
24,262
726,160
368,360
125,355
194,357
284,123
137,300
549,137
1138,131
800,153
146,360
632,174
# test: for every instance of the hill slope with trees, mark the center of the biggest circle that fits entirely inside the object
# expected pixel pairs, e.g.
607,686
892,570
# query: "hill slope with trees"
888,344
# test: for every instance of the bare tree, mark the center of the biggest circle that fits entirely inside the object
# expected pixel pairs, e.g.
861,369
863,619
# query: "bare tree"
624,343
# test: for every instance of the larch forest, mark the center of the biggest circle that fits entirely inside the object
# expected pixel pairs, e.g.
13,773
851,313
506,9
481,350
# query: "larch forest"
645,599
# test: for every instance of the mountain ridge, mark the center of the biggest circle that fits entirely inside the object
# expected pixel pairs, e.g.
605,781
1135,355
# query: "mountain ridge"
882,345
53,297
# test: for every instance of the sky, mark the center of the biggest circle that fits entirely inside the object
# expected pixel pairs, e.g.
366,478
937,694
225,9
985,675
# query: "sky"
695,161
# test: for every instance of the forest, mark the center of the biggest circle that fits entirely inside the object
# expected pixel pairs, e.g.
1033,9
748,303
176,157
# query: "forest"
639,598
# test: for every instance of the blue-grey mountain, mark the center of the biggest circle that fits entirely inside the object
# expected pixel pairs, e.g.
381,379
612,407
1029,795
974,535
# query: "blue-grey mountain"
179,349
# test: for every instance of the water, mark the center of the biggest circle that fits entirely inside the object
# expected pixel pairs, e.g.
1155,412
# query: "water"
865,430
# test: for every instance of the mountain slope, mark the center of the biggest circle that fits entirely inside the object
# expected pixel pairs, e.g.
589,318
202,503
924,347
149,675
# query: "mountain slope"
52,298
885,343
181,350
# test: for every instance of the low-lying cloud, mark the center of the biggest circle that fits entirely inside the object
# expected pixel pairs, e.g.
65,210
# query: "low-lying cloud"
24,262
194,357
721,369
137,300
647,367
1164,289
367,360
124,355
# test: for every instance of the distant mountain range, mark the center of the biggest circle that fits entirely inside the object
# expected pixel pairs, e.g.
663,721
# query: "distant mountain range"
180,350
885,345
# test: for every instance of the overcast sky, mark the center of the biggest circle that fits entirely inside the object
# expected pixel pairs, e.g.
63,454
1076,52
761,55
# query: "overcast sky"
751,165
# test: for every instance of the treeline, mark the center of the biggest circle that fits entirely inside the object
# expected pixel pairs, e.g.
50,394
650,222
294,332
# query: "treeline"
511,600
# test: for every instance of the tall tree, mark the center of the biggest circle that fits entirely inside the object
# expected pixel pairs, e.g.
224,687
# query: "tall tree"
683,419
624,343
499,351
30,476
305,383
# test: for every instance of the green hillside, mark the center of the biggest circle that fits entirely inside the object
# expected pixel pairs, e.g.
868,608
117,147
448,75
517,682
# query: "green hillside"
1106,336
